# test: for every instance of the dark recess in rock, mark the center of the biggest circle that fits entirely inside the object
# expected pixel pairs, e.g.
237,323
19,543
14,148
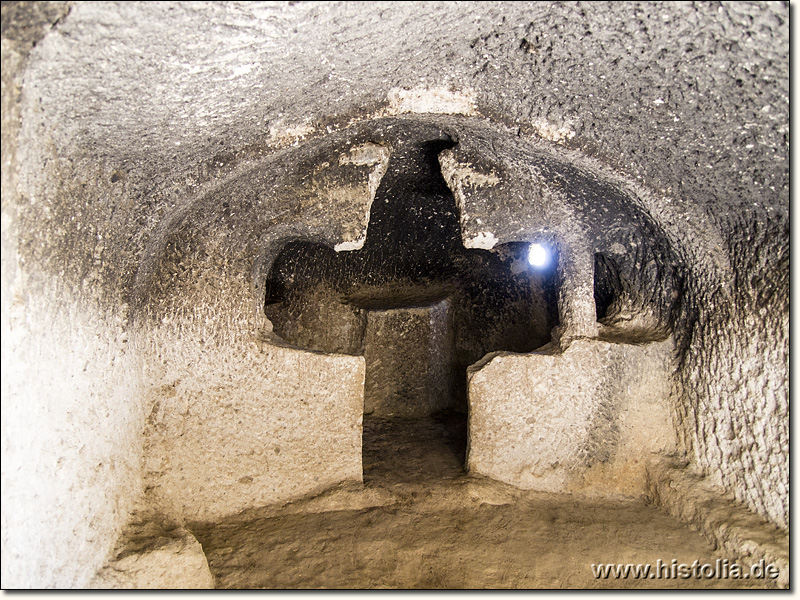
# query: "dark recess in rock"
413,256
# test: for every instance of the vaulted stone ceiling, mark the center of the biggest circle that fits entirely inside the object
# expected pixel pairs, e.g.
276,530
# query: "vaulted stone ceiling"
157,157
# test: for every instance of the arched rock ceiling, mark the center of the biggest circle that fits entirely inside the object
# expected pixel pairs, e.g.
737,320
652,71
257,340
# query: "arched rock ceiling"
508,189
689,98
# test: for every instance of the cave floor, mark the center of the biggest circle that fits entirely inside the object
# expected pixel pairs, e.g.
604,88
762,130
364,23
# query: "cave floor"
420,522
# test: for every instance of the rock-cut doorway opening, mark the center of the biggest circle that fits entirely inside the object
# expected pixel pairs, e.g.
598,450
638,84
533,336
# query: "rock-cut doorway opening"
415,426
420,308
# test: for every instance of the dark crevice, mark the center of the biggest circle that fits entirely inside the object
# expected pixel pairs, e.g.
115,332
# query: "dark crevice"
413,300
607,284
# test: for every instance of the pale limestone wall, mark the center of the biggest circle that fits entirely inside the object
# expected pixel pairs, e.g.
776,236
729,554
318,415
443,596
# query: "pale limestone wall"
409,361
585,420
71,435
71,415
246,425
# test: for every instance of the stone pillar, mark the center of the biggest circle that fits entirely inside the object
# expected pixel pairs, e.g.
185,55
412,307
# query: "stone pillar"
409,361
577,313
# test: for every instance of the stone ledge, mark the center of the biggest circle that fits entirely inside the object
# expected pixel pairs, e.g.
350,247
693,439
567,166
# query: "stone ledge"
578,421
691,498
153,557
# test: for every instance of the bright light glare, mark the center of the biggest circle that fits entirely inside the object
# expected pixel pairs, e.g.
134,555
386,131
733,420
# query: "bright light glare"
538,256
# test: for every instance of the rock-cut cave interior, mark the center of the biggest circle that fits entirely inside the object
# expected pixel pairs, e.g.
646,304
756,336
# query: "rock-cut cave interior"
395,295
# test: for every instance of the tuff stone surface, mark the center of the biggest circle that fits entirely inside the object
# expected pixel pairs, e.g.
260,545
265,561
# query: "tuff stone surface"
584,420
157,156
409,361
686,494
154,556
268,424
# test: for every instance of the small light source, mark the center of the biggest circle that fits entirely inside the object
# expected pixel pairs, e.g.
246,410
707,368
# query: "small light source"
538,255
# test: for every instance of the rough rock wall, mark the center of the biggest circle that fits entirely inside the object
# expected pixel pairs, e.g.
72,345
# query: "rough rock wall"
319,320
71,434
247,425
734,375
586,420
236,415
124,114
70,413
409,361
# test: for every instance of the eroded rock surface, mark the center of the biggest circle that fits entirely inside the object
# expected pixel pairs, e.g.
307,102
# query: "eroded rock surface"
158,157
583,420
152,556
